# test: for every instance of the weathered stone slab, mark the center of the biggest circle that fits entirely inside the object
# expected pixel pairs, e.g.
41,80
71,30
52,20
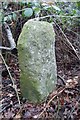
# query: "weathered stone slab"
36,48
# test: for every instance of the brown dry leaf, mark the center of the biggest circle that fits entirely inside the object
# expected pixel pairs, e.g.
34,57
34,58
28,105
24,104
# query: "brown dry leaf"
18,116
47,3
71,82
62,101
50,3
67,98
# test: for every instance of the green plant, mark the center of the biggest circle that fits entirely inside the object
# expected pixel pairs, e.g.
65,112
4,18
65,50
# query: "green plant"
66,12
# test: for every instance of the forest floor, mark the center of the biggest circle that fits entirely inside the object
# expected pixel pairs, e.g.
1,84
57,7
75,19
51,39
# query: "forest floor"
61,104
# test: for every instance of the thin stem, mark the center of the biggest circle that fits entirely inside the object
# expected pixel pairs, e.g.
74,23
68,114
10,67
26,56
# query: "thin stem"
63,81
68,41
45,16
69,29
5,48
14,86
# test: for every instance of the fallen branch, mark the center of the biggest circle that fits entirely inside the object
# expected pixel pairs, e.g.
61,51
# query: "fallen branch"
9,35
10,38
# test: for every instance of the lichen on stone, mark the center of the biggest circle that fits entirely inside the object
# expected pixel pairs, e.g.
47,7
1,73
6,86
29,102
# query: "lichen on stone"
36,51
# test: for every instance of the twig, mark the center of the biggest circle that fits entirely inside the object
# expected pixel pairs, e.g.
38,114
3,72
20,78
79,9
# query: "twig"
49,16
63,81
50,102
5,48
66,45
10,77
45,16
8,106
16,11
12,55
68,41
69,29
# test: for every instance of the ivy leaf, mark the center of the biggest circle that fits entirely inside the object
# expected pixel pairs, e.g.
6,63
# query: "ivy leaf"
5,19
56,8
36,10
78,5
8,18
14,16
29,4
28,12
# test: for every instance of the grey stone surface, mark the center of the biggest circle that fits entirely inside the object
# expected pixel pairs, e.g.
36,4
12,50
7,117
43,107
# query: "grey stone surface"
36,51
